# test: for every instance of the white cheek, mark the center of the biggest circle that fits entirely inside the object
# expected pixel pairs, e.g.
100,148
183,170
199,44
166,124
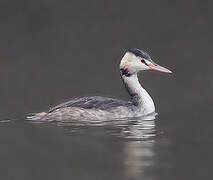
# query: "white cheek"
145,67
140,66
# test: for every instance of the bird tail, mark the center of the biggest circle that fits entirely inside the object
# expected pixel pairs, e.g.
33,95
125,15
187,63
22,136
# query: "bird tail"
36,116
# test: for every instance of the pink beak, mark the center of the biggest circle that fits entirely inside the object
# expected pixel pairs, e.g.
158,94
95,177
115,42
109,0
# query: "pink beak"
157,67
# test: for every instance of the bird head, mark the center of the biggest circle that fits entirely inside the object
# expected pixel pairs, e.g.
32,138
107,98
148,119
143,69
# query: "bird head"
136,60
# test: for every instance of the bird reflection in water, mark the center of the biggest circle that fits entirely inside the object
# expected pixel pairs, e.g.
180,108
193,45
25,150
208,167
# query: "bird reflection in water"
139,154
140,128
139,159
138,135
136,140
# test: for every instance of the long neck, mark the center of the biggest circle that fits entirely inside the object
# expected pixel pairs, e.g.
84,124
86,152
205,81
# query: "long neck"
139,95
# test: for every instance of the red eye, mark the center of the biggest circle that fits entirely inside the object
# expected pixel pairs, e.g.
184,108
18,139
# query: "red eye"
143,61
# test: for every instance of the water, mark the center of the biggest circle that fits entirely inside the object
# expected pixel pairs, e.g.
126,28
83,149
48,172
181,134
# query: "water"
130,149
53,51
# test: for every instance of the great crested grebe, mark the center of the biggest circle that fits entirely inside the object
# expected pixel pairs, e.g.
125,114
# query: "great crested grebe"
96,107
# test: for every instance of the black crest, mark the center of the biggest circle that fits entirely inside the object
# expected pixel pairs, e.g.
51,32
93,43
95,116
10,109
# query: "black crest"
139,53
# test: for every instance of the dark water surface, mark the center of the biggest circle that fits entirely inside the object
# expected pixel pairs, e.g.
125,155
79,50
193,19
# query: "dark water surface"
52,51
134,149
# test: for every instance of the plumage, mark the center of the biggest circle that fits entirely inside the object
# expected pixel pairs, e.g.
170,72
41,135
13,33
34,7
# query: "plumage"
97,107
140,53
95,102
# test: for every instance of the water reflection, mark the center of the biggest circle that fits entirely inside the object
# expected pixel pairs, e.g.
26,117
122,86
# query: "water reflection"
5,120
138,135
135,138
142,128
138,158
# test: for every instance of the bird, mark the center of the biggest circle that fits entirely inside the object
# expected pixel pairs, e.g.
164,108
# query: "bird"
100,108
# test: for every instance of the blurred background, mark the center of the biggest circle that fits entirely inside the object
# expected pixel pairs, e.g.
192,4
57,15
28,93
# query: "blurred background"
52,51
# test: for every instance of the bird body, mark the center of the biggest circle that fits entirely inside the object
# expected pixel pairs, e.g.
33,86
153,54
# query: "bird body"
96,107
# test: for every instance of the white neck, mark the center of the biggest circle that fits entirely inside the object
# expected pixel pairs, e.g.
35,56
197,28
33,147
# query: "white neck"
140,96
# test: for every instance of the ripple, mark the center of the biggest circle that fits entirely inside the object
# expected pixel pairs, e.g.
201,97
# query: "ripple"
141,128
5,121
